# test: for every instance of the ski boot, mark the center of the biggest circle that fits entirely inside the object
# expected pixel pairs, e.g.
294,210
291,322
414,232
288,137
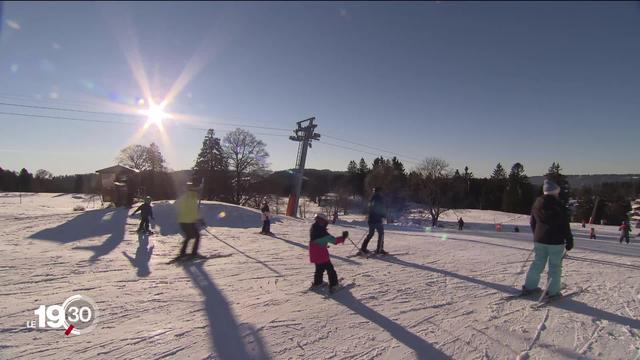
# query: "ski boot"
526,291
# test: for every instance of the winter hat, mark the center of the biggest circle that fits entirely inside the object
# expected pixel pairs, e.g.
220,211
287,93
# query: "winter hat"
550,188
322,217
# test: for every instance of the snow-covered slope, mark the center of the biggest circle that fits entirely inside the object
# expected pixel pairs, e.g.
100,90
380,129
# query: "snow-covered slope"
438,297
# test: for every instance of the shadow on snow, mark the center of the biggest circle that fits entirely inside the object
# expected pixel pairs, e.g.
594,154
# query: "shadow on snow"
227,337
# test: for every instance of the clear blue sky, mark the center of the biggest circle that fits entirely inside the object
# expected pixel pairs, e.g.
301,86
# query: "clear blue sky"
473,83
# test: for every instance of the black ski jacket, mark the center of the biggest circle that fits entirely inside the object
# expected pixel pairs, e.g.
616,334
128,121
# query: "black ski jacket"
377,210
145,211
550,222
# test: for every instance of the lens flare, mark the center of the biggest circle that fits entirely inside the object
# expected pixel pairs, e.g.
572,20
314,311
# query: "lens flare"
155,114
221,215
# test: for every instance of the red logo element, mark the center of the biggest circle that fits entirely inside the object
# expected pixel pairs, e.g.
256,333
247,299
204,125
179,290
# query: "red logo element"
69,330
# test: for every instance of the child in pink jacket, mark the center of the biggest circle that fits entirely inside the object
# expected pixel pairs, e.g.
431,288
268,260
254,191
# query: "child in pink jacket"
319,252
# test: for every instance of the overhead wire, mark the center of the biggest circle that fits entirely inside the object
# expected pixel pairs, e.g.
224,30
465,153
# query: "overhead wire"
113,121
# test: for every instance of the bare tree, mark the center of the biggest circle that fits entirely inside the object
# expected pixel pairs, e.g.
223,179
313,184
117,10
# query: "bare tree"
135,157
247,158
428,184
43,174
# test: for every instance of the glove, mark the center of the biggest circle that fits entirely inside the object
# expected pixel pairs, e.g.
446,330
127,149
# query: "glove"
345,234
569,245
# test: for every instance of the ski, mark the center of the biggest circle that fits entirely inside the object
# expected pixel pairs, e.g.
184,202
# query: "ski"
269,234
361,254
374,255
546,301
141,232
530,295
323,289
187,259
341,287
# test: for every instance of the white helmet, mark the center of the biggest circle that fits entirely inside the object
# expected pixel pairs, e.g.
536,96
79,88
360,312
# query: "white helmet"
322,217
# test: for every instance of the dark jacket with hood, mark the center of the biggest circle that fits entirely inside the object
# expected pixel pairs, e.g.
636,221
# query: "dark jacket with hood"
377,210
145,211
550,222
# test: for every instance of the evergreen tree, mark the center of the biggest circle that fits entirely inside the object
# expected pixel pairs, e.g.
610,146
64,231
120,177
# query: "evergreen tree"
363,168
518,195
499,173
24,180
493,191
212,167
352,168
355,184
155,161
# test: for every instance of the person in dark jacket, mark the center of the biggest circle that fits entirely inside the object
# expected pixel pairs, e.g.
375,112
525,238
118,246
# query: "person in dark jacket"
319,252
377,212
592,234
625,230
266,219
551,235
460,224
146,212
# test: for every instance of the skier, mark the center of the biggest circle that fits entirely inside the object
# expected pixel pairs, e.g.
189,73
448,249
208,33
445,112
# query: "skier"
266,219
592,234
319,253
146,212
584,224
377,211
625,229
516,229
460,224
552,235
335,217
189,219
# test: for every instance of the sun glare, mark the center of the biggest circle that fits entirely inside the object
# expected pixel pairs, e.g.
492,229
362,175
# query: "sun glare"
155,114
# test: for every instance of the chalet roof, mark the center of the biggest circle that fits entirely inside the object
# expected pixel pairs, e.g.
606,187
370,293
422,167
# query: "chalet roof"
116,169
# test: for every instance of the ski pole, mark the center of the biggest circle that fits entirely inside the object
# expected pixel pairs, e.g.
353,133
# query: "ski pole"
354,244
522,268
362,238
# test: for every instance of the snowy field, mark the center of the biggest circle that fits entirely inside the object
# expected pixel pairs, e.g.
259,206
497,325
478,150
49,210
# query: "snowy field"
438,297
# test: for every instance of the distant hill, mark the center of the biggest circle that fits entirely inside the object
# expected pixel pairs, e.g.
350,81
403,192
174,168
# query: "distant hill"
577,181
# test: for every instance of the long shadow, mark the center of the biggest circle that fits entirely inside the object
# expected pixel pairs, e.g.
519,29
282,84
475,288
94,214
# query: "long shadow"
143,256
247,255
591,247
498,287
422,348
225,332
305,247
566,304
118,220
88,224
214,214
488,243
603,262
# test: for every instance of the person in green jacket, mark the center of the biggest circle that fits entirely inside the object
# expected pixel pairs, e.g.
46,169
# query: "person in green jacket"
189,219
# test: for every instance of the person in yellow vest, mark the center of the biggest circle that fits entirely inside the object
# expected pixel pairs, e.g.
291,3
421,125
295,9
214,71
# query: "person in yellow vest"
190,220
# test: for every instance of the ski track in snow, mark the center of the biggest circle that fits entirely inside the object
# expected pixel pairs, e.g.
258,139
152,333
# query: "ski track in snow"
438,297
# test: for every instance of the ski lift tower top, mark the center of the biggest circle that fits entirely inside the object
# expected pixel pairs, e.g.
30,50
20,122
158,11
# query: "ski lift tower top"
304,134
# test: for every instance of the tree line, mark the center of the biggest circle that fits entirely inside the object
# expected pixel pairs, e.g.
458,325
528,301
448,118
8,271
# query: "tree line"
234,169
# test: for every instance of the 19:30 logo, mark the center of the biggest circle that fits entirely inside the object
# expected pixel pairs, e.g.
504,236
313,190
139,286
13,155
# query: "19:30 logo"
77,315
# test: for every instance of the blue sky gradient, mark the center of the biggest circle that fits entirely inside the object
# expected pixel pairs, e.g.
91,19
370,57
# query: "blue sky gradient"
473,83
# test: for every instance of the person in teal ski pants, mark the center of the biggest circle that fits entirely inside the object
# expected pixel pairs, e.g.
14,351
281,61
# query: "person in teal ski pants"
551,235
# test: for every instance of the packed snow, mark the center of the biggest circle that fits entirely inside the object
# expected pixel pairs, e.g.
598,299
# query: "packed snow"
438,295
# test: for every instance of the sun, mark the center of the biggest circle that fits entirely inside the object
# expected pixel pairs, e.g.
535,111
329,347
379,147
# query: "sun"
155,114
